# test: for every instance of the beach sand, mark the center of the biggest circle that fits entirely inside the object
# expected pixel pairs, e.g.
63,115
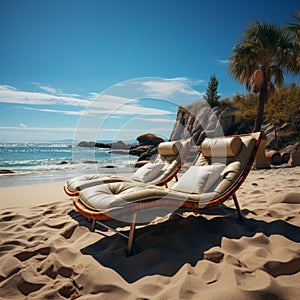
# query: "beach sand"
48,252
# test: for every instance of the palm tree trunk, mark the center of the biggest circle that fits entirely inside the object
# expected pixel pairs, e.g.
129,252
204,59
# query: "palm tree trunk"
260,109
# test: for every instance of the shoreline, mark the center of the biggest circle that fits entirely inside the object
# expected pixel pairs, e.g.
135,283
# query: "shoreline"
29,178
34,193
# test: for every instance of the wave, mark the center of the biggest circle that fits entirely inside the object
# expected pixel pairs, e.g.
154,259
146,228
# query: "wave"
30,166
44,161
30,144
58,173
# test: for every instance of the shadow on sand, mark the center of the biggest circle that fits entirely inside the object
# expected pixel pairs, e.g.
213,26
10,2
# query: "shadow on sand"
163,248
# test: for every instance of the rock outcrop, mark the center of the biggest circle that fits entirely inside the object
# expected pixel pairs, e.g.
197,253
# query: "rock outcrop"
5,171
86,144
147,146
145,150
149,139
198,119
120,145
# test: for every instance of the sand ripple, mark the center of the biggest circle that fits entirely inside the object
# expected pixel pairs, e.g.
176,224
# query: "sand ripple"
48,252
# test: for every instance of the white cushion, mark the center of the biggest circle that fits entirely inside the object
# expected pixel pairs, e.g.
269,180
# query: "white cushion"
221,147
148,172
198,179
169,148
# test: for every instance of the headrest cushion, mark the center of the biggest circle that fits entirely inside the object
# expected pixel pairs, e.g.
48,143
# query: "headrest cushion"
221,147
169,148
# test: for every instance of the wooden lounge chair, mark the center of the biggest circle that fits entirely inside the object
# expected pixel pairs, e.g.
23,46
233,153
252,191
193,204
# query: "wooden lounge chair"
171,156
222,166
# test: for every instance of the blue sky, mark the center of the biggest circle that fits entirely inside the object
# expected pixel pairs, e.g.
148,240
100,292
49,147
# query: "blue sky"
58,56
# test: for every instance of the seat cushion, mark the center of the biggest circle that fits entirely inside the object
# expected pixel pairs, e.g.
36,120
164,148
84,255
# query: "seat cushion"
118,194
198,179
84,181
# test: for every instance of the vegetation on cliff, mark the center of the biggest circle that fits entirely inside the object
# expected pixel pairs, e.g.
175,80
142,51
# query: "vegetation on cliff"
211,96
281,116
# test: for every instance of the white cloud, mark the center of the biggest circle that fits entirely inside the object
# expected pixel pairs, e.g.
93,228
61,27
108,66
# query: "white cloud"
115,105
127,110
178,89
7,87
52,90
37,128
46,88
181,79
9,94
223,61
71,129
65,112
95,104
189,81
23,125
108,102
165,89
157,120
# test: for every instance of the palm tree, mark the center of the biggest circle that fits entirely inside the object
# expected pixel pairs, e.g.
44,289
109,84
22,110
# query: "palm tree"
295,26
260,59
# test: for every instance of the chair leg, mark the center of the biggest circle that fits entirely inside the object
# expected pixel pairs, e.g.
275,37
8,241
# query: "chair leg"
131,234
234,197
93,226
176,177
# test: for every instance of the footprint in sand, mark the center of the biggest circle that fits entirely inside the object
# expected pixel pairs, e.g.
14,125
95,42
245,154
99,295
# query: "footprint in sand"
253,281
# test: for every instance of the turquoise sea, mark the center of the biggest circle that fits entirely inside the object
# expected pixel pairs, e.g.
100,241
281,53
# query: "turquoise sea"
41,162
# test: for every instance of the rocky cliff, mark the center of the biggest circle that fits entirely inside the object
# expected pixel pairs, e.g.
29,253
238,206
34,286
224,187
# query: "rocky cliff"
197,119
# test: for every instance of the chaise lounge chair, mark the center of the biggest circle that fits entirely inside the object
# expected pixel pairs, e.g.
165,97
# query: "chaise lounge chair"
171,156
221,167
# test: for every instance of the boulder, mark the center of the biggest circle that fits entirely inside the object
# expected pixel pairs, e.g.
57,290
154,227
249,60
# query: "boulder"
120,146
5,171
138,150
86,144
102,145
116,145
149,139
295,159
147,155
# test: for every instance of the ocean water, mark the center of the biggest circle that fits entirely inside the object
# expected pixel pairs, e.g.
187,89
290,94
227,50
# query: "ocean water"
41,162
